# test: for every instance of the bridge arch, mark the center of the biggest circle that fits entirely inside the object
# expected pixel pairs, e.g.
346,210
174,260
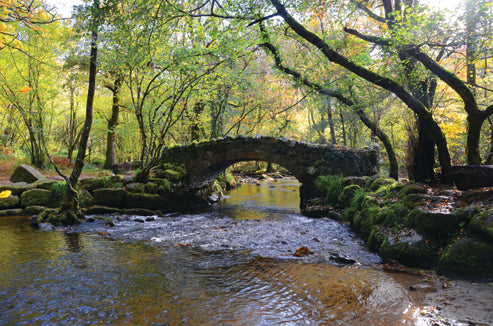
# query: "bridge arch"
204,161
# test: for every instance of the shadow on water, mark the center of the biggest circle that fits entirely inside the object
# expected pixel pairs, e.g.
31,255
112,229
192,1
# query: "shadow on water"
55,278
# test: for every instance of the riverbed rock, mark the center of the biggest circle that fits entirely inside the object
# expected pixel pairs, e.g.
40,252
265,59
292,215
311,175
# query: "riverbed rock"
467,256
26,173
9,202
36,197
109,197
482,225
33,210
409,248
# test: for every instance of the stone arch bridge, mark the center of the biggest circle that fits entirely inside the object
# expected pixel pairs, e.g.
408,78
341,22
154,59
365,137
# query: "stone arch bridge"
204,161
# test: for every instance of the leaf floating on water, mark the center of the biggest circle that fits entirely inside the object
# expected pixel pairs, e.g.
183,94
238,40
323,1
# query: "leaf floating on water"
5,193
302,252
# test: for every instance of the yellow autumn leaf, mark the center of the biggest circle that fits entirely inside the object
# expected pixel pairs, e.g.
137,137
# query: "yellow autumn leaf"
5,193
26,89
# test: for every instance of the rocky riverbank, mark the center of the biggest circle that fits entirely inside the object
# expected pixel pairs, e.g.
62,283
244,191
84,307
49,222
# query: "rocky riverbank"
418,226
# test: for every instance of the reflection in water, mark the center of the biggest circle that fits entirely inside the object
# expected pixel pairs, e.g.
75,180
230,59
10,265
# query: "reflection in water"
55,278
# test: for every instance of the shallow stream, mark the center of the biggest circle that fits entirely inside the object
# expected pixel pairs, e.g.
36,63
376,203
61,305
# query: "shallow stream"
230,265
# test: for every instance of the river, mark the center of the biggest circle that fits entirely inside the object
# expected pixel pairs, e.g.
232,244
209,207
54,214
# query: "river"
232,264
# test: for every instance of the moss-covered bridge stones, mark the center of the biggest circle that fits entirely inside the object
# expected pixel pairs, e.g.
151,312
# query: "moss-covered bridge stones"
204,161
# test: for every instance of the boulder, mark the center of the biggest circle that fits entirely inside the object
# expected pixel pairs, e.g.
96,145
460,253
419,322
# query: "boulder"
467,256
9,202
36,197
482,225
26,173
473,176
436,225
109,197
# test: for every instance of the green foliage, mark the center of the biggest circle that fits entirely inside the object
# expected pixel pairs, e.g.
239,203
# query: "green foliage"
331,186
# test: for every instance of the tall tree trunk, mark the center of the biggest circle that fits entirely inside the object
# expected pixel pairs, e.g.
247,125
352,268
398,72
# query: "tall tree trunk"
110,159
489,156
331,124
422,162
71,197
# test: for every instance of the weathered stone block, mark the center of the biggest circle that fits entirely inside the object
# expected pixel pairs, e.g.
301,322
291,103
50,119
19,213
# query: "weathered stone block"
473,176
109,197
26,173
142,200
36,197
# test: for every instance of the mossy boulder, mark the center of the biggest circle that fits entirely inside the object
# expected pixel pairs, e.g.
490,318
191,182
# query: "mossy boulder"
26,173
36,197
433,224
10,202
34,210
56,217
376,238
46,184
414,199
412,189
467,256
347,195
109,197
410,249
376,184
92,184
85,198
482,225
143,200
100,209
